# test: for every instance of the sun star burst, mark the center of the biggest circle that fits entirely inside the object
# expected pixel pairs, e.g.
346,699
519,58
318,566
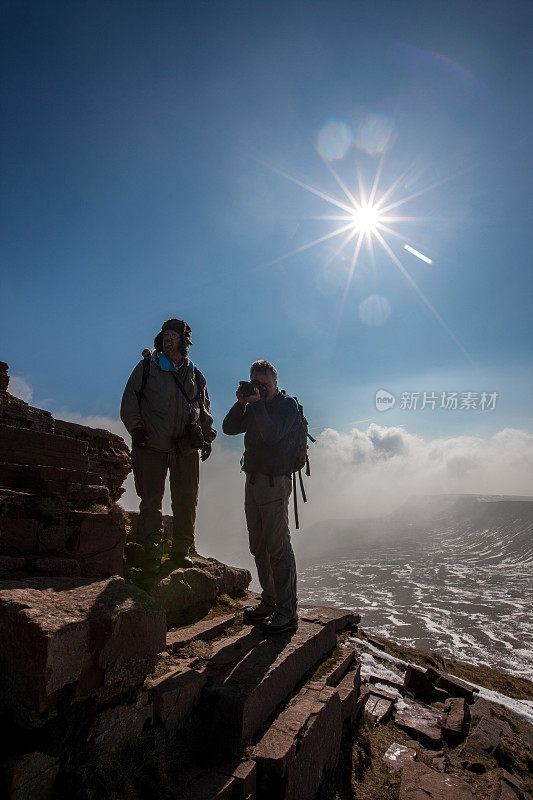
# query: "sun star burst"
365,218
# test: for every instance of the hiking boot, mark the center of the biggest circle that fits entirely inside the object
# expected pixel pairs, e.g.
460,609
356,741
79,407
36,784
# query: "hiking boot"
257,613
278,623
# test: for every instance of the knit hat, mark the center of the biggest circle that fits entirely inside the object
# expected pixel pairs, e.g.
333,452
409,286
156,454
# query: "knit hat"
181,327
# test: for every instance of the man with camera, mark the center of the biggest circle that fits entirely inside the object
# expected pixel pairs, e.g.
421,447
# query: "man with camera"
268,419
166,409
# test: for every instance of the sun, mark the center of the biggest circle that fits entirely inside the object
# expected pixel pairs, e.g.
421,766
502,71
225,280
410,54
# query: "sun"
366,219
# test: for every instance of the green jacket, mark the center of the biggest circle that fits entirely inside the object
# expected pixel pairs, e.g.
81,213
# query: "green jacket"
163,409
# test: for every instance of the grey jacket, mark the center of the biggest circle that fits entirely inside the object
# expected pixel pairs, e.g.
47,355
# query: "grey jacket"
163,410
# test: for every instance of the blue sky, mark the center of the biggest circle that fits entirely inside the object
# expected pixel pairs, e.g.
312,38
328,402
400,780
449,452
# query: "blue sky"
142,146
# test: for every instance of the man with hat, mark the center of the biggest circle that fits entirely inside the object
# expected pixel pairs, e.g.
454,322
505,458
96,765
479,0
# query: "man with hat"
166,409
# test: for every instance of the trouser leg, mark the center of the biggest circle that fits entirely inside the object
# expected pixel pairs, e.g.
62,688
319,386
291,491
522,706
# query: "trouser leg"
149,471
184,481
258,544
275,524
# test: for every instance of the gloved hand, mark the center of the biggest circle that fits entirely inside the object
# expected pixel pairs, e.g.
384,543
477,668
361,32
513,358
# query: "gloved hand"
206,451
139,437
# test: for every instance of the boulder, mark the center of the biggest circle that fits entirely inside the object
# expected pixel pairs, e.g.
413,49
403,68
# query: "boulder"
454,687
421,723
419,782
97,639
188,592
379,708
397,756
456,720
482,741
418,682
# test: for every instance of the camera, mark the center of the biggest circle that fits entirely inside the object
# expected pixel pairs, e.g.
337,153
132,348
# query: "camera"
247,388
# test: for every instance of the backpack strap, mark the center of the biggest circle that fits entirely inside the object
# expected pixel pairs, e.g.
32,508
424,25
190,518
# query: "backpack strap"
146,371
296,520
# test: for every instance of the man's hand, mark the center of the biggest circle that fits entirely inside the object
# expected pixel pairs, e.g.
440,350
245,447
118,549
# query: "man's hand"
139,436
252,398
206,451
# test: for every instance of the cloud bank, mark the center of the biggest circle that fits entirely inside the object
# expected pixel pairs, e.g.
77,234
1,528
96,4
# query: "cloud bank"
363,473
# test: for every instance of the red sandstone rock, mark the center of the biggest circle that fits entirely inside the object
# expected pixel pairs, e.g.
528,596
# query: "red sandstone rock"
4,377
244,780
417,682
482,741
108,454
199,586
348,691
302,745
175,693
98,545
324,614
244,697
210,786
457,719
117,726
397,756
31,777
204,629
18,536
22,446
339,670
455,687
100,638
421,723
379,708
419,782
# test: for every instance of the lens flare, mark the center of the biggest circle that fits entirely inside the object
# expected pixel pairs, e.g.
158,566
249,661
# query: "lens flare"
375,134
368,216
334,140
375,310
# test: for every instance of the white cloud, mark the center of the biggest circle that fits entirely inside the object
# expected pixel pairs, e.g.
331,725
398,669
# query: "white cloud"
18,387
366,472
370,472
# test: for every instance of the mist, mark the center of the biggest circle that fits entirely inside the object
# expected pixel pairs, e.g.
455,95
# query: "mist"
363,473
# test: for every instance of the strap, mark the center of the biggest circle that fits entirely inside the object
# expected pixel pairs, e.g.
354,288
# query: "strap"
146,372
295,501
180,387
307,465
304,498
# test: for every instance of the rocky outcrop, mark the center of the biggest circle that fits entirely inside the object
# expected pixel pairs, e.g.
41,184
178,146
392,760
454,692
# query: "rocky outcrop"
58,485
62,637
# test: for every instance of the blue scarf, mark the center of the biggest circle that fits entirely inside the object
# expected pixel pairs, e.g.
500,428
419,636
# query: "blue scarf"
164,363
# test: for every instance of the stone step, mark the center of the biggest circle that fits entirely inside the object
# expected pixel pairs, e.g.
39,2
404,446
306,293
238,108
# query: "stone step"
175,692
205,629
252,675
302,745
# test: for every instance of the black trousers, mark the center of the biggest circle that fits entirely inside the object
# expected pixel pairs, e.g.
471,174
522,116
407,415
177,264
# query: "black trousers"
150,469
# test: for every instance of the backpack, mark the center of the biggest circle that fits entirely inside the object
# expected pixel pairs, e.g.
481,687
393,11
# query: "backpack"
299,452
